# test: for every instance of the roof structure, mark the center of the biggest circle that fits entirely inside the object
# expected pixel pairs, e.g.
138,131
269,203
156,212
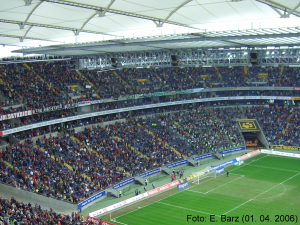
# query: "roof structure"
124,25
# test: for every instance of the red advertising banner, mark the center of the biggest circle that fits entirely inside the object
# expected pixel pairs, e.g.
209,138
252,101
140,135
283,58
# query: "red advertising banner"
93,220
106,223
134,199
296,88
162,188
16,115
250,154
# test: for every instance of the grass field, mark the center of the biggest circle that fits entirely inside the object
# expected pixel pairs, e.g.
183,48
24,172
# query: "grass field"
260,191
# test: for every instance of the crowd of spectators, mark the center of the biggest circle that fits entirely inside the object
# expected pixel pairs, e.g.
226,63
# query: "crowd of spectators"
62,168
185,129
180,78
18,58
27,87
108,84
66,169
46,116
281,125
49,83
35,118
104,154
257,93
15,212
231,77
45,169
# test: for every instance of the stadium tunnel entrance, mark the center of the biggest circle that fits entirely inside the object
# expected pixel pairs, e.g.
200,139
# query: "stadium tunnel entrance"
252,134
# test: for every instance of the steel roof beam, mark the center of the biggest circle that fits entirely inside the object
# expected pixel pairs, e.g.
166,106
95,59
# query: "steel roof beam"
280,7
161,23
291,11
161,42
27,2
27,18
21,39
24,37
76,32
52,26
119,12
100,13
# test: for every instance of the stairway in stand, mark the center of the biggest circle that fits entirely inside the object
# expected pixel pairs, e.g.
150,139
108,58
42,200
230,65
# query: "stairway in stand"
89,82
149,132
39,77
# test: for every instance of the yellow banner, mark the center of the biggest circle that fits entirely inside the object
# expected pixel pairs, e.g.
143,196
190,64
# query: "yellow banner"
142,80
204,76
262,74
282,147
73,86
248,125
295,98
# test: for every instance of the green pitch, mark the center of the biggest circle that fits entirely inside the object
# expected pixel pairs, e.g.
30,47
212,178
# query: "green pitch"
265,190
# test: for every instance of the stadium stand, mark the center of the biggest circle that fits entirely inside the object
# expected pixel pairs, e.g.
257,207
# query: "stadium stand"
72,166
43,84
280,125
12,209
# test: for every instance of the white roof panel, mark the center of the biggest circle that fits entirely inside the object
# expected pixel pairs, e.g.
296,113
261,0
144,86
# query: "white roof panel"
73,20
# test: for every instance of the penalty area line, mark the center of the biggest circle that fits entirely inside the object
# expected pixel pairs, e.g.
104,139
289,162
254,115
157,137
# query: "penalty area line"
186,208
223,184
260,194
153,202
114,220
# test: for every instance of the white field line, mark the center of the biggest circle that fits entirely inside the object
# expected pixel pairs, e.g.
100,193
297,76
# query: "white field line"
186,208
245,164
197,191
276,195
186,189
223,184
241,176
236,174
196,182
274,168
118,222
261,194
153,202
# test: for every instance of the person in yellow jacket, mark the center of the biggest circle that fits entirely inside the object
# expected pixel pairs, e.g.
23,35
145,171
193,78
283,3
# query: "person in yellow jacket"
13,221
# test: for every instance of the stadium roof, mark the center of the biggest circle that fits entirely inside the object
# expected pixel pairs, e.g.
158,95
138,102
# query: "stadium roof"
122,25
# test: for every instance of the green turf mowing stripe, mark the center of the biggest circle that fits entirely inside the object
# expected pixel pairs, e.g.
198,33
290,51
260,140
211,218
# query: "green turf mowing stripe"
270,186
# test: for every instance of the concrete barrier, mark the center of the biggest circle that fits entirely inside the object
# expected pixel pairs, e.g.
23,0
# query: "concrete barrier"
36,198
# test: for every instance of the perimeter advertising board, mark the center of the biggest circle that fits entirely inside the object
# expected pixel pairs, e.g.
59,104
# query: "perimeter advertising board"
91,199
117,186
203,156
232,150
177,164
182,186
150,173
219,171
282,147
